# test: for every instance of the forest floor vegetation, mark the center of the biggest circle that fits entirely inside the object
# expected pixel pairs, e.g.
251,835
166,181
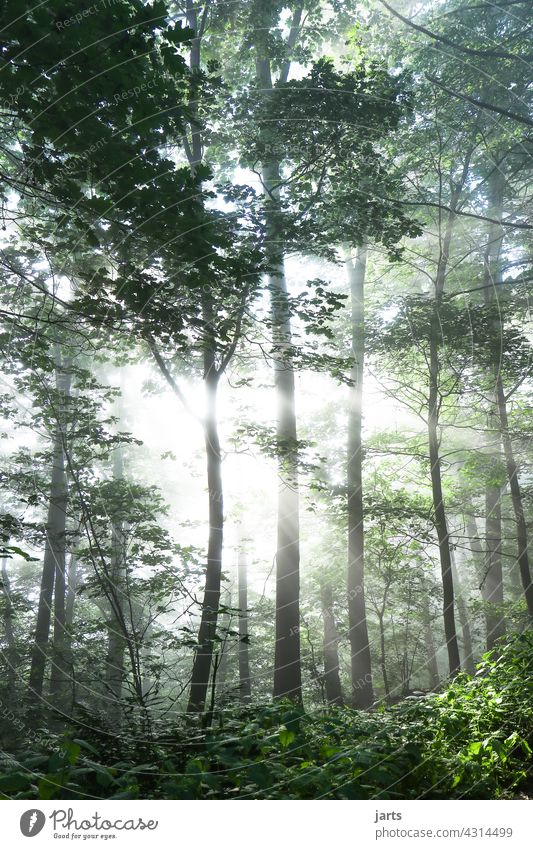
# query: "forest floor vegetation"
471,740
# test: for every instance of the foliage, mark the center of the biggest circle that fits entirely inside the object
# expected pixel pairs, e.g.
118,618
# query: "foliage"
472,740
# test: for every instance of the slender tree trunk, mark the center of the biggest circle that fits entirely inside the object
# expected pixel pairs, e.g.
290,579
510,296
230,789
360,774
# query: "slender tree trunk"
441,524
493,275
287,660
8,608
11,655
491,571
462,610
53,569
434,402
245,681
203,656
431,653
71,591
474,539
492,577
361,667
115,672
383,655
61,671
211,600
195,152
147,682
332,679
39,654
487,569
516,498
223,664
406,666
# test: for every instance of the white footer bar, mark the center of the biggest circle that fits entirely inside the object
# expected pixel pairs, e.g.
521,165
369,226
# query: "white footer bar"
268,825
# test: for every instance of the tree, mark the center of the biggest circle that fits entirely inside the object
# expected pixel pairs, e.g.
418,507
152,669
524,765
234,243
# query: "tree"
53,575
331,652
245,681
362,693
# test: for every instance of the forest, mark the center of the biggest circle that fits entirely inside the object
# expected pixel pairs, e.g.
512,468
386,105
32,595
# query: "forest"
266,486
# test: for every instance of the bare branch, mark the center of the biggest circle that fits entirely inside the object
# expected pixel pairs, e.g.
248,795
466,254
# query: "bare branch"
168,376
471,51
491,107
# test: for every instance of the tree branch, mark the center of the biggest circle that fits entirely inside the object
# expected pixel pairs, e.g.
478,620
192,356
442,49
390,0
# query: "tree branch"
291,41
519,225
481,103
167,375
471,51
503,284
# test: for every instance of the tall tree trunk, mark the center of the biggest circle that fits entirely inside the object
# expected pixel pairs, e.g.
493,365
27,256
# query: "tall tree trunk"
434,402
115,672
361,668
516,498
332,679
441,524
195,151
206,634
494,278
53,566
287,660
492,578
61,671
287,655
462,610
203,656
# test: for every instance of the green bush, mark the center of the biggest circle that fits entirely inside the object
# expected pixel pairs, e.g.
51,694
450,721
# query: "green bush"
473,740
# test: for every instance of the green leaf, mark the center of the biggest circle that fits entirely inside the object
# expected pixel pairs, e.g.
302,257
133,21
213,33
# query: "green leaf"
286,737
13,782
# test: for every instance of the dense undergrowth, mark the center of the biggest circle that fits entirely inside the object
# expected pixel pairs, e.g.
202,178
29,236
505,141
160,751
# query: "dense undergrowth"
472,740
